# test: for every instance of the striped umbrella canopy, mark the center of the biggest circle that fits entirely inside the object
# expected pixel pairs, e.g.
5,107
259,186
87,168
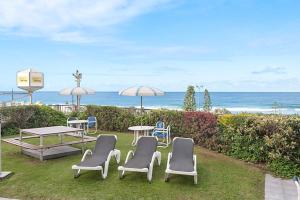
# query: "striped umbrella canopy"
77,91
141,91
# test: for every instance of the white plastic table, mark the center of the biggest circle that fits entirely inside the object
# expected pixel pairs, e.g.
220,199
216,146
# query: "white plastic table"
77,123
137,130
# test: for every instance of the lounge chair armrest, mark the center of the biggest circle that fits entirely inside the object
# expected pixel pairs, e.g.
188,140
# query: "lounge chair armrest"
87,152
129,155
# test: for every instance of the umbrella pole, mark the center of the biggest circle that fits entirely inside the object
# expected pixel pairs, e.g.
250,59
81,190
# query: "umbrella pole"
78,102
141,110
141,103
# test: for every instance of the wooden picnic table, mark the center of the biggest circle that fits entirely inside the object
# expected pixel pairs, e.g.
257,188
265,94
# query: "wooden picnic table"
60,149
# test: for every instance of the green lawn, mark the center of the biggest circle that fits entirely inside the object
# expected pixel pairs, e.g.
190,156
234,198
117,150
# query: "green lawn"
220,177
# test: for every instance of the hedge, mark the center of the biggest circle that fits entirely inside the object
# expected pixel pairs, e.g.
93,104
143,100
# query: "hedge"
270,139
21,117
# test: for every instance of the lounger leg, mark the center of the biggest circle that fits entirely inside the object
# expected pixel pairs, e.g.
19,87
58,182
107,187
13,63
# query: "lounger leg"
76,173
195,179
166,177
149,174
121,174
158,157
104,175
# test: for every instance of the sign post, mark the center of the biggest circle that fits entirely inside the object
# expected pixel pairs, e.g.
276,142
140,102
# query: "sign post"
30,80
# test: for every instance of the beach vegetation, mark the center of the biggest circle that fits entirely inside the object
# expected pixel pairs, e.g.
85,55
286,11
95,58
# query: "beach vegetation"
21,117
221,111
189,99
207,105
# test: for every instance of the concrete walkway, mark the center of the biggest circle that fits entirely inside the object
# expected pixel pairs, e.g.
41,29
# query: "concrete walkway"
279,189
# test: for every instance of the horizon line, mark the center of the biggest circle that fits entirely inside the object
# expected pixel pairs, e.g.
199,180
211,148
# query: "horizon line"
169,91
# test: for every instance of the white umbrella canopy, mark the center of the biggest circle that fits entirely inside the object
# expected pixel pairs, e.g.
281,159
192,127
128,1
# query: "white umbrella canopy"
77,91
141,91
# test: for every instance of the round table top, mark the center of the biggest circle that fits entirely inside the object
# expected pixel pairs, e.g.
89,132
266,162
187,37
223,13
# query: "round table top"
141,128
77,121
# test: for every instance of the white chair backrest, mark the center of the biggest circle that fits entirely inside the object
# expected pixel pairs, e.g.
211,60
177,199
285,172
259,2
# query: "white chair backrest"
72,118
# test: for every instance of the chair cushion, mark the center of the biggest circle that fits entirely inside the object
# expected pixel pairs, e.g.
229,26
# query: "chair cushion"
182,165
104,145
138,162
146,147
93,161
182,155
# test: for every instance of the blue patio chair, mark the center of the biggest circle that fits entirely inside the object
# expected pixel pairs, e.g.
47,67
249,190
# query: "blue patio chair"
163,133
92,123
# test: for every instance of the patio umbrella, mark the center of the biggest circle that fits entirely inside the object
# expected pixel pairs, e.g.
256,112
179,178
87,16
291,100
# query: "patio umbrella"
141,91
77,91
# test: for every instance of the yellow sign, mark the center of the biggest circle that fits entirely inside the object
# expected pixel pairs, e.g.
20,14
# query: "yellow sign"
23,79
36,79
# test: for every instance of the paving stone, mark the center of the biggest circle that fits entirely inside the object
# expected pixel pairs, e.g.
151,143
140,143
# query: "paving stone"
279,189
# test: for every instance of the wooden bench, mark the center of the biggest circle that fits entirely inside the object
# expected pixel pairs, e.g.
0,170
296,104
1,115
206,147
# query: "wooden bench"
16,142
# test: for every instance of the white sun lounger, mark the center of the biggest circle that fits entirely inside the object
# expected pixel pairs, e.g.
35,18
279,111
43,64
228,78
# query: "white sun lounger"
143,158
182,160
297,182
99,158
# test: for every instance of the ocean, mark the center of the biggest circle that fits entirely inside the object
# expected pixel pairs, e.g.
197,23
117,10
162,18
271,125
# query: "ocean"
253,102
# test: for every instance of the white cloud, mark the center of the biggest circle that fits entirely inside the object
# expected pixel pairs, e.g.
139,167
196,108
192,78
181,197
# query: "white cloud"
69,19
267,42
271,70
255,85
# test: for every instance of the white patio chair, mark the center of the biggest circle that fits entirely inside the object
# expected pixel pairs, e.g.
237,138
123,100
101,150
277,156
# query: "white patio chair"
143,158
99,158
182,160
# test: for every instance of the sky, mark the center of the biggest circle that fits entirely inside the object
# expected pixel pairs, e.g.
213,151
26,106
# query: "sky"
224,45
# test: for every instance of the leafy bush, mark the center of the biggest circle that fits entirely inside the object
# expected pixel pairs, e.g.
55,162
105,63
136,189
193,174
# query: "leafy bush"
29,117
112,118
240,137
202,127
270,139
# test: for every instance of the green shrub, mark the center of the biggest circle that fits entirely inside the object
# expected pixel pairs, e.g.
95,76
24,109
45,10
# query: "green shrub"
112,118
30,117
202,127
240,137
270,139
284,168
